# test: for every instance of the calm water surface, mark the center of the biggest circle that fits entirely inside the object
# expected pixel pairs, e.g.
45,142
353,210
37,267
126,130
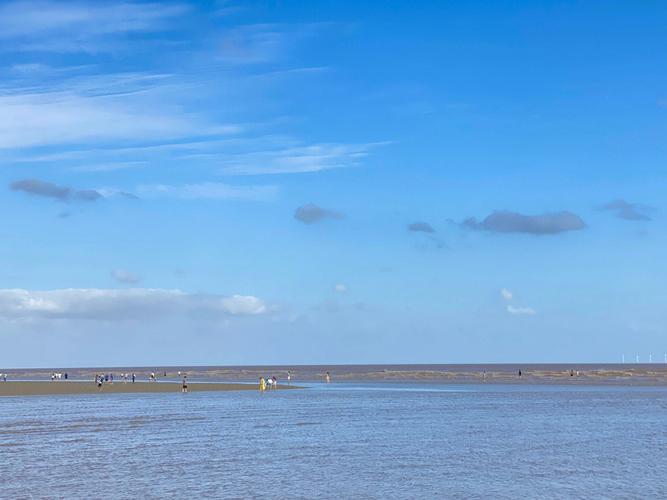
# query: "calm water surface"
339,441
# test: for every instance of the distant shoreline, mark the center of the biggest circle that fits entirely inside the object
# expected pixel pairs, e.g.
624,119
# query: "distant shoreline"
62,387
228,377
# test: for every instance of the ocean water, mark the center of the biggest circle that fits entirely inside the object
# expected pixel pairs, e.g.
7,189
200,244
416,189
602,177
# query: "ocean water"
340,441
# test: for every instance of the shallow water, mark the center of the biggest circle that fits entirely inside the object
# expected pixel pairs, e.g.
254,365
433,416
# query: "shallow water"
339,441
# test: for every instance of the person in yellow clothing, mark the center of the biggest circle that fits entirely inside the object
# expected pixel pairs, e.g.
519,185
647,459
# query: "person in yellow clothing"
262,384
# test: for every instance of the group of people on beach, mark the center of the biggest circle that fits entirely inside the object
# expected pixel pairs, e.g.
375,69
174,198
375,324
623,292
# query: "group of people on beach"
107,378
268,383
58,376
3,376
153,378
272,382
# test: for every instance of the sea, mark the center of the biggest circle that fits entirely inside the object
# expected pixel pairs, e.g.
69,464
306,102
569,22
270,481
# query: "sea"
341,440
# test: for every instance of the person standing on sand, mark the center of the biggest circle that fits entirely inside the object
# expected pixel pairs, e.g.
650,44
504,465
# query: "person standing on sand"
328,378
185,384
262,384
133,377
289,378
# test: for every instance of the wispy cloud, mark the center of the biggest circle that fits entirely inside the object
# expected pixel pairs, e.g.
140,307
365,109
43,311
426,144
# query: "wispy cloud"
311,213
429,239
627,211
54,118
123,276
294,160
521,311
508,296
210,191
505,221
109,167
77,26
46,111
229,154
117,305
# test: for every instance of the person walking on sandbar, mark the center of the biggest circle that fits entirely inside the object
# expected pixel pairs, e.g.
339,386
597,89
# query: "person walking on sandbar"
185,384
262,384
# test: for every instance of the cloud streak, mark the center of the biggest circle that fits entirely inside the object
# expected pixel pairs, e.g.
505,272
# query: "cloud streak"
118,305
296,160
505,221
54,117
521,311
77,26
627,211
210,191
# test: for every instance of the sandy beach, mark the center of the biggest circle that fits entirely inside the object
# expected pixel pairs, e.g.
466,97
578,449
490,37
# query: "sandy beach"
11,388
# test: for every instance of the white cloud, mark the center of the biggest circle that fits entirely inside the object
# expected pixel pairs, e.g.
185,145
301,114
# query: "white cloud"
506,294
293,160
117,305
519,311
79,26
53,118
243,305
231,152
210,191
100,118
340,288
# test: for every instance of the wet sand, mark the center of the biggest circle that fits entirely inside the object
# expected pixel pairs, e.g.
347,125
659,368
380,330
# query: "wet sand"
11,388
229,377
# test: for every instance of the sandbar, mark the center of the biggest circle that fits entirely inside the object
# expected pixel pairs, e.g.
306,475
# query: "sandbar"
37,388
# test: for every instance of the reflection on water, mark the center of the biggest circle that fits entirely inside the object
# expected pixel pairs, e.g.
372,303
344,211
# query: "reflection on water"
336,441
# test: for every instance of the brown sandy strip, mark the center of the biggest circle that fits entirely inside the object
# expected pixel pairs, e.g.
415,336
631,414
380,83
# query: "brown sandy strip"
12,388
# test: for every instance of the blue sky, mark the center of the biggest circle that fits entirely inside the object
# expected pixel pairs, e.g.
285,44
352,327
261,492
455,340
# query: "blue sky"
332,182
